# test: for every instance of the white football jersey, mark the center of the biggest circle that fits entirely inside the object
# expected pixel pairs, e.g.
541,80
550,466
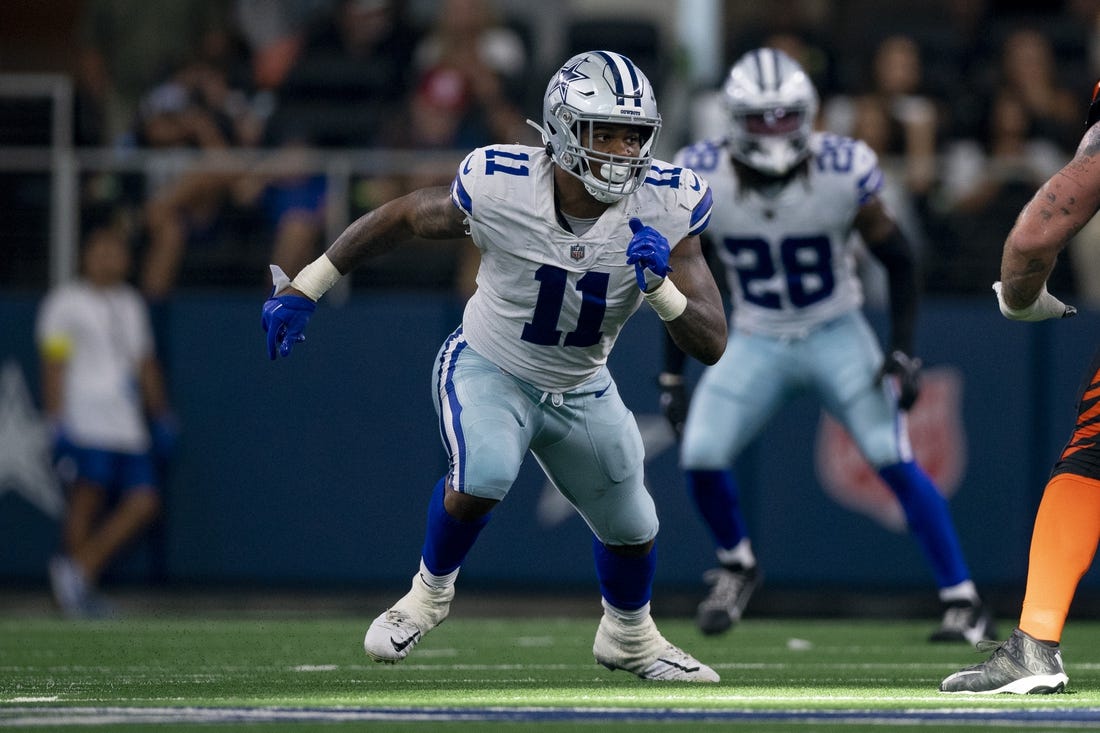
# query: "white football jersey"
549,303
788,253
106,333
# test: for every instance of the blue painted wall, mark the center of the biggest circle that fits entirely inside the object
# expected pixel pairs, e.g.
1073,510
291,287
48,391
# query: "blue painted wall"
315,470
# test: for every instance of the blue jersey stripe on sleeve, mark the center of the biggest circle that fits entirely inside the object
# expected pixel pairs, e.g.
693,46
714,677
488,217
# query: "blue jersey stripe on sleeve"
700,215
461,196
870,184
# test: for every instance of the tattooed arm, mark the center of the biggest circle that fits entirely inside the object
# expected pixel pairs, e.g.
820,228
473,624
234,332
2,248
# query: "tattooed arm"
1063,205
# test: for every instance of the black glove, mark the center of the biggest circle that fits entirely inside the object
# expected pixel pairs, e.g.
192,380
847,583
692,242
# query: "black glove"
907,370
674,401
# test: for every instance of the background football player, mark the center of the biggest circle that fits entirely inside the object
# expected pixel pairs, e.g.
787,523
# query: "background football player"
787,200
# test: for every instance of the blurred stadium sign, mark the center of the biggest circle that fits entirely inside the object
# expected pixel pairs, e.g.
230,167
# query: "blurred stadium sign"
939,446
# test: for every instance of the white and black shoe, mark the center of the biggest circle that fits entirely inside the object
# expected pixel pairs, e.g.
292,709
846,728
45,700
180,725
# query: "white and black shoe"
395,632
965,621
730,591
640,649
71,590
1023,665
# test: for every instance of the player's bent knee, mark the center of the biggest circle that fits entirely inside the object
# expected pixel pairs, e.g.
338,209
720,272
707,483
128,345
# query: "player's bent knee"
881,454
466,508
703,458
631,550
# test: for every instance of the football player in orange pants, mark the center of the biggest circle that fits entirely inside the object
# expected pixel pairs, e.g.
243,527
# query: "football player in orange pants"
1067,525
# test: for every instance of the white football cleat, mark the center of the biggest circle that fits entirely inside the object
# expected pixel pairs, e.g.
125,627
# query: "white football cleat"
642,650
396,631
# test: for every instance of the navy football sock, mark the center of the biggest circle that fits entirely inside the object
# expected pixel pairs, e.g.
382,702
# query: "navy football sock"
625,582
717,499
447,540
929,521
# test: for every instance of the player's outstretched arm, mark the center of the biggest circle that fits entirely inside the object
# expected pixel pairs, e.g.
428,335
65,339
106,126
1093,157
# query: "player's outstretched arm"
427,213
700,330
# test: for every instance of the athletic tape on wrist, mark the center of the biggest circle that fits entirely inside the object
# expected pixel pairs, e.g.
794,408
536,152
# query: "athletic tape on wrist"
316,278
667,300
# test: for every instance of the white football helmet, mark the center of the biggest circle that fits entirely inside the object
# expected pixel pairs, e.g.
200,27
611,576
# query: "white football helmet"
772,105
591,88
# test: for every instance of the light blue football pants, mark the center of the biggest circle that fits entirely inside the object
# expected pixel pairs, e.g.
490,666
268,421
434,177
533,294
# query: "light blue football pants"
757,375
586,441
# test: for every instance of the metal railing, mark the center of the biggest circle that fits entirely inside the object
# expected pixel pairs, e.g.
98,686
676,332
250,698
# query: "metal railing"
67,165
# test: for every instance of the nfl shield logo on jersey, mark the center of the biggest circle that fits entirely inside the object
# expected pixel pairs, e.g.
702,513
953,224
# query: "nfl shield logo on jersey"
576,251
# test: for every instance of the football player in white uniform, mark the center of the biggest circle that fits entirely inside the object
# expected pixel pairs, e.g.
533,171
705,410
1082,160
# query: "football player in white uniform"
787,200
573,237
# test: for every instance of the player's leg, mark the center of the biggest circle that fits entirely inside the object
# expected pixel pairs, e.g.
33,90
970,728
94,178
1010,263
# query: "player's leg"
846,361
479,408
135,511
85,502
591,450
733,401
1063,545
1067,524
137,507
68,578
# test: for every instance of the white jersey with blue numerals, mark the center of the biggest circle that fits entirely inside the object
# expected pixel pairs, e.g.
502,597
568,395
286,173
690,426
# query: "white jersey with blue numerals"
549,303
788,253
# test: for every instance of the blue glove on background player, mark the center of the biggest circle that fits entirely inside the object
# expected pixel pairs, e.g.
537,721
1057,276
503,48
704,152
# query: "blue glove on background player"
648,250
284,316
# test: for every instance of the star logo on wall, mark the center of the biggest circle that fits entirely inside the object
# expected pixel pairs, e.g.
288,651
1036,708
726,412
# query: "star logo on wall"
25,446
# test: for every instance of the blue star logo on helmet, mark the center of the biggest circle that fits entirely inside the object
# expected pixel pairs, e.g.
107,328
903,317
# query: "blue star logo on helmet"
568,75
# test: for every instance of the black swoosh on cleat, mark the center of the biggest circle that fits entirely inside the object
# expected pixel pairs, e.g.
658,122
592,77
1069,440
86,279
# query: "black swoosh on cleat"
671,663
400,646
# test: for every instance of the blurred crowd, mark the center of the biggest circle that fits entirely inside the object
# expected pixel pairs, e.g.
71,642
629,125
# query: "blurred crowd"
970,104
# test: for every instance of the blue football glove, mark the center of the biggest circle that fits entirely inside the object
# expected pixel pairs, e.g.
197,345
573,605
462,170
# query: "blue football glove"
284,316
907,370
648,250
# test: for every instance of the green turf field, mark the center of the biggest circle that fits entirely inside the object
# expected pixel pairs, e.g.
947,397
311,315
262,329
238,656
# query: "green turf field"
508,674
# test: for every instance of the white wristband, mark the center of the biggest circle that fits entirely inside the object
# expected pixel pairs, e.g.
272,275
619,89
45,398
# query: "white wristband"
316,278
667,300
1043,307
